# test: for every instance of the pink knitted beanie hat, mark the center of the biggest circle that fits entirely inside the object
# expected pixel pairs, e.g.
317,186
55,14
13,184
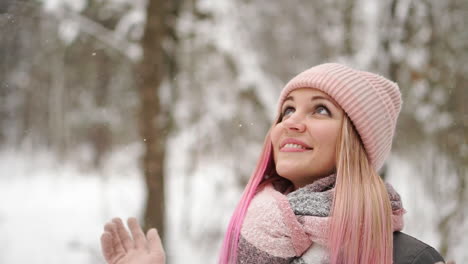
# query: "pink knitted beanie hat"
371,101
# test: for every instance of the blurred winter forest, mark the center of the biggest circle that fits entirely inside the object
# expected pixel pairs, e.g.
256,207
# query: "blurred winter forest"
158,109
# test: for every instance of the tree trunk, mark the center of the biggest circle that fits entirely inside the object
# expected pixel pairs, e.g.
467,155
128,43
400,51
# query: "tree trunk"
348,24
149,75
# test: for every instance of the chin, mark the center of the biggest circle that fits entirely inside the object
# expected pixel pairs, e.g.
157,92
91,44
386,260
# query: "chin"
303,177
291,174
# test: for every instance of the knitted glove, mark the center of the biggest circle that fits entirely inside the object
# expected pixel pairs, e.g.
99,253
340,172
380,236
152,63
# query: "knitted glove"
118,247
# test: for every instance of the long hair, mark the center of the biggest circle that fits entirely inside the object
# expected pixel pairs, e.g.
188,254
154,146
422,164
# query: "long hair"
360,226
265,164
361,214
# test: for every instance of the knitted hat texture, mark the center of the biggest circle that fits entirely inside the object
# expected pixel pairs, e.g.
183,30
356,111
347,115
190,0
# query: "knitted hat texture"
371,101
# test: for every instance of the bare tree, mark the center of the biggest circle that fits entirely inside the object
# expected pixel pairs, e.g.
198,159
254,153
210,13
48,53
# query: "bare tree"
155,121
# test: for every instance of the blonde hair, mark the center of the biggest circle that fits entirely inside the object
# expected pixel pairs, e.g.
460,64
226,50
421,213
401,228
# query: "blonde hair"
360,226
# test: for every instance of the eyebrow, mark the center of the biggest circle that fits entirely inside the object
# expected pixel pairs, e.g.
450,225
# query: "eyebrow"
315,97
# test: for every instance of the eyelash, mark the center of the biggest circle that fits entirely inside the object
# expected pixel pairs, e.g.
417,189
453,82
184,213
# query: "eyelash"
315,110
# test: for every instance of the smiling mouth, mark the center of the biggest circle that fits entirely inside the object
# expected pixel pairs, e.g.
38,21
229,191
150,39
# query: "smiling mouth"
291,147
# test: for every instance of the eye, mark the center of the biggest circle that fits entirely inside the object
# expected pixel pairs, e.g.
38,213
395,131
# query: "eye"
322,110
287,111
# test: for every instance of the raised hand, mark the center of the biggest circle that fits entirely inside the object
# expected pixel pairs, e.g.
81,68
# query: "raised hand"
118,247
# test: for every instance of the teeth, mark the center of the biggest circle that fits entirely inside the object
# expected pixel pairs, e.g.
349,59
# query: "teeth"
290,145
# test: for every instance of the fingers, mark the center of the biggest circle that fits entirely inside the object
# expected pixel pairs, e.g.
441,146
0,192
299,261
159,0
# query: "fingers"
116,243
137,233
107,246
154,242
124,236
116,240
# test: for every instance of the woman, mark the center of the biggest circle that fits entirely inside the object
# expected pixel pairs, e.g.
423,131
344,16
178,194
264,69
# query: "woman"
315,195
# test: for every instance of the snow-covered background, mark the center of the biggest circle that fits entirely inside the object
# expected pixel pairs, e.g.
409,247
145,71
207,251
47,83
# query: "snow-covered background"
70,154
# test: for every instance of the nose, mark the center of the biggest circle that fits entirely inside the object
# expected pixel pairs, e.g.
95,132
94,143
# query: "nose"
294,123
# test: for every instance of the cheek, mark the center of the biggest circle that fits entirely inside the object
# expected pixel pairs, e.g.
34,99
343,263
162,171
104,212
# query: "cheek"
327,135
274,136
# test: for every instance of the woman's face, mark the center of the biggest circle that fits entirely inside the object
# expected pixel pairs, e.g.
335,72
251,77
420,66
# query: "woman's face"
305,139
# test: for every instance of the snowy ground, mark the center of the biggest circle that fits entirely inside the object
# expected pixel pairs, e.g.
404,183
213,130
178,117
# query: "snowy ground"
52,212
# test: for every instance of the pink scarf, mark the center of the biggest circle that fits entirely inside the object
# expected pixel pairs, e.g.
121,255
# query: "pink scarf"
293,228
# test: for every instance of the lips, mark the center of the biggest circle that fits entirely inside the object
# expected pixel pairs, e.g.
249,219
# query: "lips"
294,145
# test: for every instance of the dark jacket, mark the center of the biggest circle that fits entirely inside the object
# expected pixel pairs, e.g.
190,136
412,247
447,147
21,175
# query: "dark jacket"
409,250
